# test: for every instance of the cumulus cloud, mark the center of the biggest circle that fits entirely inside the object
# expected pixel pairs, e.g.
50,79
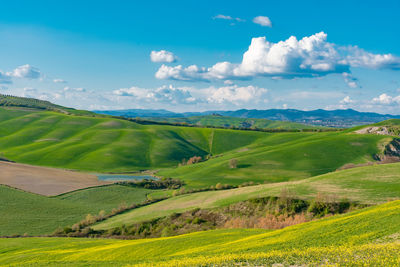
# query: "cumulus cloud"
25,71
385,99
59,81
263,21
235,94
357,57
231,94
166,94
310,56
162,56
346,100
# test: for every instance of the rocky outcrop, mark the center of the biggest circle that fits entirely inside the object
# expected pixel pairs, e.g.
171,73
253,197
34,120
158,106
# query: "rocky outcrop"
391,152
383,130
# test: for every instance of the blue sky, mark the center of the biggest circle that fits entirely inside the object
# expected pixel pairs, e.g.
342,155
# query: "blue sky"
208,55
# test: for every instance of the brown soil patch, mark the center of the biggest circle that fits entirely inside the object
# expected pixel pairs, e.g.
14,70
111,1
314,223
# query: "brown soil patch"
112,124
45,181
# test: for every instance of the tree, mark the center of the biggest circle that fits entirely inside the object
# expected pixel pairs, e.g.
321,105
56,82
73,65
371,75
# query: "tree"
233,163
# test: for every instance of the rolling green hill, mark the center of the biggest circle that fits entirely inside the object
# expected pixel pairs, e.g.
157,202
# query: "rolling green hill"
368,236
367,185
282,157
104,144
35,214
32,103
235,122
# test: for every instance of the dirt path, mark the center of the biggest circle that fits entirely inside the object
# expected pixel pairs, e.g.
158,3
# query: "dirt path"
44,181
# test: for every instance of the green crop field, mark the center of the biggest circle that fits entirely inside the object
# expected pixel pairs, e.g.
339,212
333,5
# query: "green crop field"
368,185
369,236
35,214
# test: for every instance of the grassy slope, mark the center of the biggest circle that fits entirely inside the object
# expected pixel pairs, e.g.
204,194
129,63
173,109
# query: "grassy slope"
370,185
337,238
103,144
224,121
32,103
106,144
282,157
36,214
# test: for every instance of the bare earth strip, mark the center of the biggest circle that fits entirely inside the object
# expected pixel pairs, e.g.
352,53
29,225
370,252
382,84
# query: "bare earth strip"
45,181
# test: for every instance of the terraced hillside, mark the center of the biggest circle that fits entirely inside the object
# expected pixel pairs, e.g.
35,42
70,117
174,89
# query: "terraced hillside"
369,236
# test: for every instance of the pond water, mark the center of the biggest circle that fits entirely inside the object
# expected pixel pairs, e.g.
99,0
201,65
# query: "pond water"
123,177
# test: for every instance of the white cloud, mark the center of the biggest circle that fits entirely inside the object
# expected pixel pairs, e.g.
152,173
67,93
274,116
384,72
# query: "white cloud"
358,57
310,56
220,16
25,71
162,56
166,94
346,100
30,92
171,95
4,78
263,21
385,99
59,81
179,73
350,80
235,94
70,89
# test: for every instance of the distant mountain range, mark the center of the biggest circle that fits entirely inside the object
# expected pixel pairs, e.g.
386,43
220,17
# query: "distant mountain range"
321,117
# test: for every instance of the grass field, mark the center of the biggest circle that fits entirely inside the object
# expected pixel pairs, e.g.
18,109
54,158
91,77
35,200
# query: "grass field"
368,185
282,157
45,181
102,144
35,214
369,236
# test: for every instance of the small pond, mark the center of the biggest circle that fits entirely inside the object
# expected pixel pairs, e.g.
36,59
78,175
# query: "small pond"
123,177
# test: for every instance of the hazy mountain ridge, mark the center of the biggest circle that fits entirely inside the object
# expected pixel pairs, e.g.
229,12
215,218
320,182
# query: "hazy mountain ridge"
332,118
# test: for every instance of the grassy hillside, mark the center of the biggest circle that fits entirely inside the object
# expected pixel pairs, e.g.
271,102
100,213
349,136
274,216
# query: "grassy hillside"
35,214
368,185
104,144
112,145
224,121
24,102
282,157
368,236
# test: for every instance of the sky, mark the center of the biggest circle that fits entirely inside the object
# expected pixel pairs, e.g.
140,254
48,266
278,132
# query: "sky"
203,55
